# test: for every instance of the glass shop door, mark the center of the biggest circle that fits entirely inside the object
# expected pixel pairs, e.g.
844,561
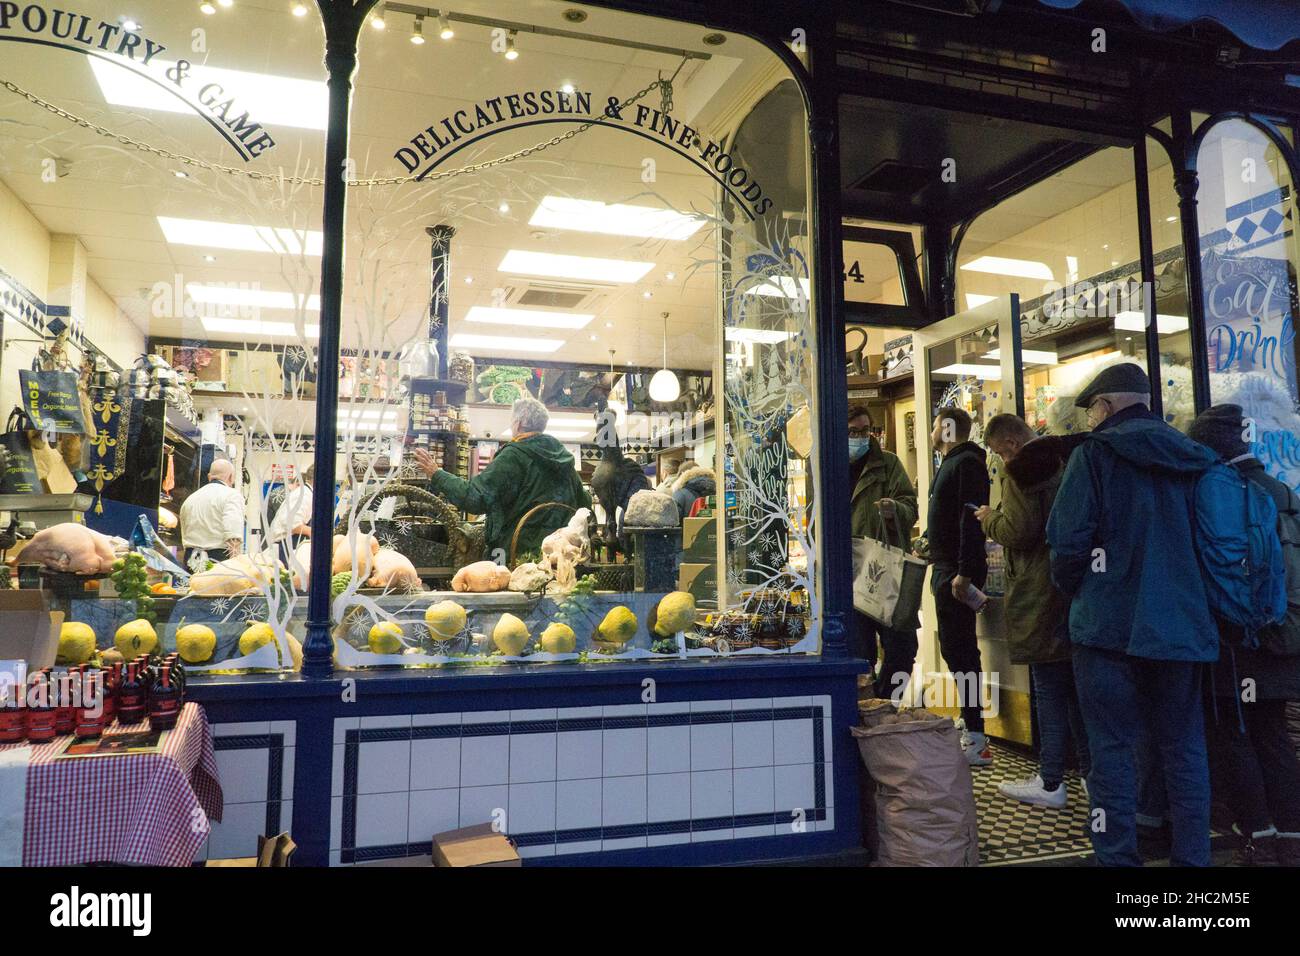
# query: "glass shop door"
971,360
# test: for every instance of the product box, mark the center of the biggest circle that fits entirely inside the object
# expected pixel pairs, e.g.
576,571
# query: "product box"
474,846
700,540
31,629
701,580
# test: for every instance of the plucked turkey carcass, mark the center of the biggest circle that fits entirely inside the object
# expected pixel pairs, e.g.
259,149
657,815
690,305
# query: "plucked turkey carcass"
241,574
365,547
71,548
393,571
482,577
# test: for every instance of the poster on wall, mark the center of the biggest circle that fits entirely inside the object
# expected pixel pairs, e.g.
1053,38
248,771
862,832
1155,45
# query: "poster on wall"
52,401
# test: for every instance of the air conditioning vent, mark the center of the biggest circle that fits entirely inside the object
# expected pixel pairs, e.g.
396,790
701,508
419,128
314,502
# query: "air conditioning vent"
552,298
897,178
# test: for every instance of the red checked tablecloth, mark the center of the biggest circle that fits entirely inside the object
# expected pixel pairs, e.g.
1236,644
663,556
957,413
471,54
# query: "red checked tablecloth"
140,809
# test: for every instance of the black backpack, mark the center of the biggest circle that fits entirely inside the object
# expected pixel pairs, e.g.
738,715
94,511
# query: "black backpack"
1284,638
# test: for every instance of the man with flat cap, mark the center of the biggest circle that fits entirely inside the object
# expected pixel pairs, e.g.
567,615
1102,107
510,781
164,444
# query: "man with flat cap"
1122,549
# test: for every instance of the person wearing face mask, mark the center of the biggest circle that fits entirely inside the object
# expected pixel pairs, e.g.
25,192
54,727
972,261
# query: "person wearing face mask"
882,493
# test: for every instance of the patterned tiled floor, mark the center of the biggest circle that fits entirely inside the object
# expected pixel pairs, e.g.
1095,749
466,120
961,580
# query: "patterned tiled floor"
1014,832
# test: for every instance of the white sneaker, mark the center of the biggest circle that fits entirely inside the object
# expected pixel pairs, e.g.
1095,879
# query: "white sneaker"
1031,791
978,752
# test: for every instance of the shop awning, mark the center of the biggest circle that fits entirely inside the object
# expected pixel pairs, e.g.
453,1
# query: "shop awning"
1262,24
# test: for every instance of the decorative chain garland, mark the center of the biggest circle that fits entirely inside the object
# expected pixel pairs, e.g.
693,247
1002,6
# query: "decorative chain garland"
664,86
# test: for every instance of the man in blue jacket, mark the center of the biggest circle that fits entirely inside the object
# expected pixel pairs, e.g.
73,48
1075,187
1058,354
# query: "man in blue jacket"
1140,624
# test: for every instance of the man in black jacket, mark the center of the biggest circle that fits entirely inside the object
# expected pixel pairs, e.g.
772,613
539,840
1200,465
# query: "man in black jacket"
957,551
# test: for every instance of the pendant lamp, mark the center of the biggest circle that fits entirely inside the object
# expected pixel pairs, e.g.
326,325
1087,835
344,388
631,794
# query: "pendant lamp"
664,386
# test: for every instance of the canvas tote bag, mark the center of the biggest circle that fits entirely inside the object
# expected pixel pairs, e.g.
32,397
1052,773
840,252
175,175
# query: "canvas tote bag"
887,581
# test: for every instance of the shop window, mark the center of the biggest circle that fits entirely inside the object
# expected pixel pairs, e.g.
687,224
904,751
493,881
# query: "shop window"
642,275
881,280
160,300
1068,247
1247,214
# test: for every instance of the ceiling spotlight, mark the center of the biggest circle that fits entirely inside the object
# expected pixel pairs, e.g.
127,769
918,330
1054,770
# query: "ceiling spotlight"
574,15
377,21
504,207
647,294
670,276
180,174
300,9
511,52
207,8
715,39
225,3
566,88
209,258
417,32
469,280
129,25
445,31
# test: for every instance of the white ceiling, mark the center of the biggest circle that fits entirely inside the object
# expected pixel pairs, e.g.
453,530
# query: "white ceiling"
113,195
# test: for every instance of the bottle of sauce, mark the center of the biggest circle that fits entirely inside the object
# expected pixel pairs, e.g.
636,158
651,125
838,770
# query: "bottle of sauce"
13,715
112,678
40,711
131,696
164,701
91,714
65,709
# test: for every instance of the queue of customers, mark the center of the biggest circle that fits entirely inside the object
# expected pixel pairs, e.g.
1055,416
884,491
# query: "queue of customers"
1111,604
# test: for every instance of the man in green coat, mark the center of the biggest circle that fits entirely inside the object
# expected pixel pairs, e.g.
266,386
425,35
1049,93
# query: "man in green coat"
530,469
882,495
1036,614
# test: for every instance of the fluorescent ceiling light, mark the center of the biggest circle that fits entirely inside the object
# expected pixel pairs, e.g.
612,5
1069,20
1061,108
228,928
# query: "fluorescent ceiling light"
509,343
988,372
533,317
614,219
765,336
239,236
1137,322
1028,355
522,262
270,100
252,298
782,286
974,300
252,327
1021,268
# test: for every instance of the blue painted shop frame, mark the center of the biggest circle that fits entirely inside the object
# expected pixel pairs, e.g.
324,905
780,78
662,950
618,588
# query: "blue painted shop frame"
314,699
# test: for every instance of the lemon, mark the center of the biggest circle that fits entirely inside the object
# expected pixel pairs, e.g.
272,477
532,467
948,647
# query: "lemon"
446,619
619,625
136,638
386,638
676,612
510,635
558,639
255,636
195,643
76,643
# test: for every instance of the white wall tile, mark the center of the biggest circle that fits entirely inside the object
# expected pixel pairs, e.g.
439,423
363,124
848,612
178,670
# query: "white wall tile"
579,754
288,729
532,807
242,774
794,787
583,846
336,823
711,794
381,818
286,817
829,785
242,728
624,752
624,710
545,849
623,800
668,749
336,770
384,766
569,713
712,836
432,811
753,790
752,703
542,713
710,746
791,701
708,706
435,763
532,757
435,720
668,797
480,804
623,843
667,839
744,833
485,717
792,741
385,721
751,743
342,725
484,761
236,835
669,707
288,764
336,858
577,804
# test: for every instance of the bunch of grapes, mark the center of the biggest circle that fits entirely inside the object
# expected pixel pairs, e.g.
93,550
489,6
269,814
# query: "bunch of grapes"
131,580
